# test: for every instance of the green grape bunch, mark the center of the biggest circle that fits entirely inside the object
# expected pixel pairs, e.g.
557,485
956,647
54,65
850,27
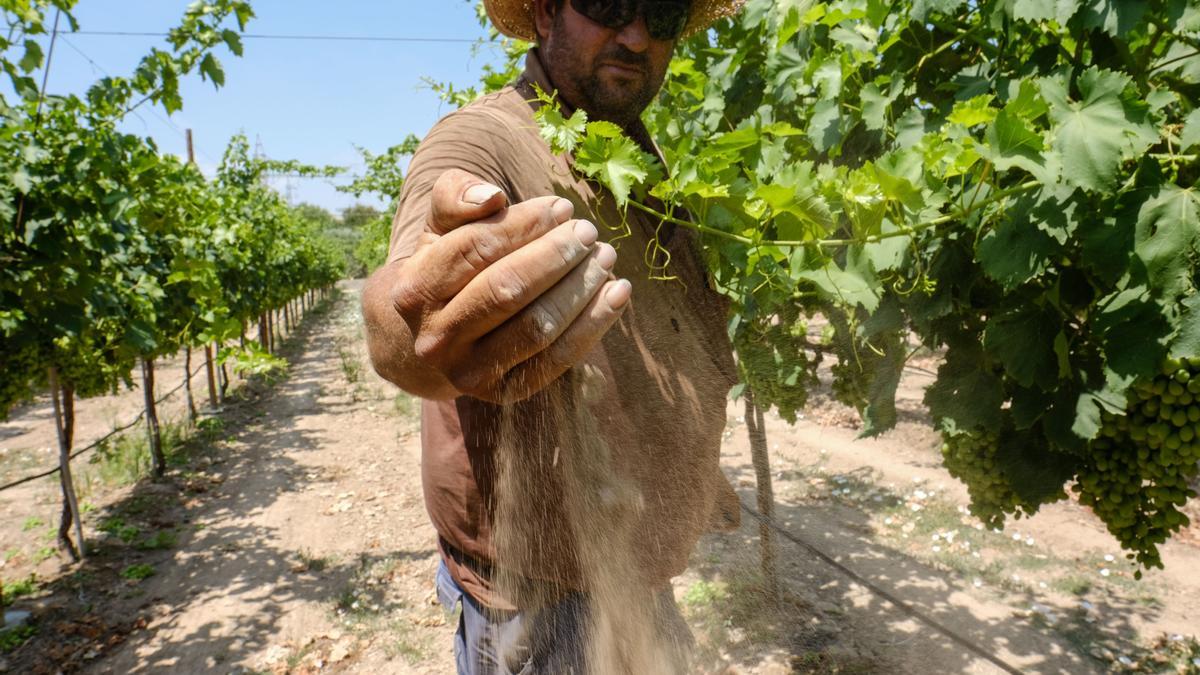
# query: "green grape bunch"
971,457
1140,468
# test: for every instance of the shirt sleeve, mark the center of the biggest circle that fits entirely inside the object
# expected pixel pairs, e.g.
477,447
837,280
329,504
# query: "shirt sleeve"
468,139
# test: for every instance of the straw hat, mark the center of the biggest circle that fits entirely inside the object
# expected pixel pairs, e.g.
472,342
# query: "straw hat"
514,18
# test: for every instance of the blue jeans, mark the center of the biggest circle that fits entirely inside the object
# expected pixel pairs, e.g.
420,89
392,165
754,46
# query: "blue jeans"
550,640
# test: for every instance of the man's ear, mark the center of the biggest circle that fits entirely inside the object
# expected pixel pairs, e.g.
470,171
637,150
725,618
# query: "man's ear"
543,17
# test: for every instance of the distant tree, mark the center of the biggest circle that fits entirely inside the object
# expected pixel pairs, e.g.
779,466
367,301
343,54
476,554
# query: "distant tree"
383,178
316,215
357,216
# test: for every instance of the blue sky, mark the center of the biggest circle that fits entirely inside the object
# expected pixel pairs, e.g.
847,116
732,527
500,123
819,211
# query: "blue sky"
308,100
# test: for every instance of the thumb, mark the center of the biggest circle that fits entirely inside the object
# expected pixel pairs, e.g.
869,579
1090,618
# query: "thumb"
459,198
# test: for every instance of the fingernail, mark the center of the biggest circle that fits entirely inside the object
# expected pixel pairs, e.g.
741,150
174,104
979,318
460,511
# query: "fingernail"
618,294
562,210
586,232
480,193
606,255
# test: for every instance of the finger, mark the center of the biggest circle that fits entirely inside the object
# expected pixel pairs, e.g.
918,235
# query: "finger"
538,325
519,279
451,262
459,198
596,319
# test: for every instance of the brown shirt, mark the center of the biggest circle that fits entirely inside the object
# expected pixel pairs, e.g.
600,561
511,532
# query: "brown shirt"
666,369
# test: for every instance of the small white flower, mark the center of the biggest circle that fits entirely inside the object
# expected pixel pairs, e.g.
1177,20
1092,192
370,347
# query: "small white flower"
887,521
1016,577
937,549
1029,541
1017,537
1108,558
978,583
1104,572
936,537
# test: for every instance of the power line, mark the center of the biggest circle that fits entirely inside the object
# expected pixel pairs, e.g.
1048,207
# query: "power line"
268,36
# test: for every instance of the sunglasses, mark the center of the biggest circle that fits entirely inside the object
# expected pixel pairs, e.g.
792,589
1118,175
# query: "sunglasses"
665,19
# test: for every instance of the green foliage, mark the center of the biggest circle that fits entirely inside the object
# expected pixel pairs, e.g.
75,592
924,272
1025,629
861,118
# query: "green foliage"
15,637
138,572
118,528
16,589
1007,181
114,252
383,179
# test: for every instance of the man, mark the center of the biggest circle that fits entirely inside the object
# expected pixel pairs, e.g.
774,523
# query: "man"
573,405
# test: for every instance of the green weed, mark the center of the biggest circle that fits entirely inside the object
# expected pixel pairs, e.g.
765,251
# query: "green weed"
32,523
138,572
119,529
12,638
163,539
16,589
125,458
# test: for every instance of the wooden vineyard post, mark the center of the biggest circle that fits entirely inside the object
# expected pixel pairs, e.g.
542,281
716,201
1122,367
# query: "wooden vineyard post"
64,425
766,495
154,434
187,383
212,376
224,376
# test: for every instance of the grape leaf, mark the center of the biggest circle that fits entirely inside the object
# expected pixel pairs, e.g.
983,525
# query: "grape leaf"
823,125
1135,331
560,132
1187,342
875,106
618,163
32,59
965,395
973,111
1115,17
1011,142
922,8
1041,10
1191,131
211,68
1017,250
1167,230
1035,471
1093,135
879,415
1022,341
847,287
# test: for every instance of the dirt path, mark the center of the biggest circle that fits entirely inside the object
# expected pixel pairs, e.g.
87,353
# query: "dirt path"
299,543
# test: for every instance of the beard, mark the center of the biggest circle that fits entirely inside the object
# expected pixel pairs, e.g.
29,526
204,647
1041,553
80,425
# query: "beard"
605,94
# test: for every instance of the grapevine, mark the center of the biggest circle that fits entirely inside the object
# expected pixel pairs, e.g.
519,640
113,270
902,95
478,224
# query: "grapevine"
115,254
1012,185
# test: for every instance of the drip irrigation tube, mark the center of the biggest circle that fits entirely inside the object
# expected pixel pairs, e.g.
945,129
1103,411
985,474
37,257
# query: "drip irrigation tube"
893,600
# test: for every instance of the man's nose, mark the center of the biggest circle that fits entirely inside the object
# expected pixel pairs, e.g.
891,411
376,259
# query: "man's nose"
635,37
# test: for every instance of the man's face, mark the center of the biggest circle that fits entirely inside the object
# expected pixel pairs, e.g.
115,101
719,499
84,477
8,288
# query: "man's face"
613,74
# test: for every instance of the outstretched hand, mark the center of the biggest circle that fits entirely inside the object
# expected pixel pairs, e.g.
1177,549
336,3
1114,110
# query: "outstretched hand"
502,299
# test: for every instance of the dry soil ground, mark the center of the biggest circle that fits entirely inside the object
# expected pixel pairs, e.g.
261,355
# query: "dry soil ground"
292,537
